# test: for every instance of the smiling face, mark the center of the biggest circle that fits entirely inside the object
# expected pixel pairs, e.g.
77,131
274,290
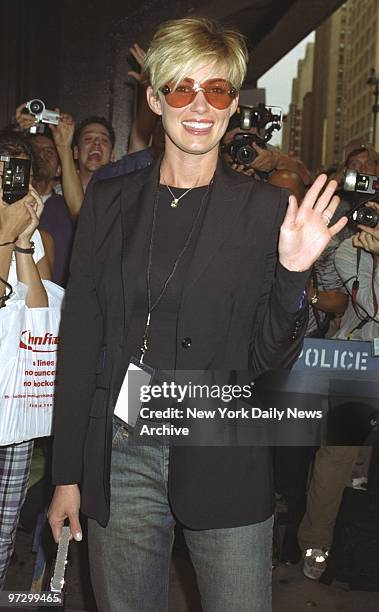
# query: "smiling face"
94,148
197,128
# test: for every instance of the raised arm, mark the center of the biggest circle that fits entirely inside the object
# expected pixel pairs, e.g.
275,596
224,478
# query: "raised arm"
63,134
14,219
282,313
46,264
145,120
27,271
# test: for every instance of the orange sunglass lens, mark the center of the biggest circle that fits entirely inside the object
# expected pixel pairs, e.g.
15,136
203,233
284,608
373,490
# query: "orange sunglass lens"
218,93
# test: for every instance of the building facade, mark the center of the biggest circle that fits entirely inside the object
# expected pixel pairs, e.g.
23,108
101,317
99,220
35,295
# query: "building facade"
337,109
301,86
363,55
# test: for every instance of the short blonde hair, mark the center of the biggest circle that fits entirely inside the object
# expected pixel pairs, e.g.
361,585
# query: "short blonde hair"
182,45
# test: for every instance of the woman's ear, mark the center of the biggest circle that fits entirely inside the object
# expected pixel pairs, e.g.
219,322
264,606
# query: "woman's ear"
153,101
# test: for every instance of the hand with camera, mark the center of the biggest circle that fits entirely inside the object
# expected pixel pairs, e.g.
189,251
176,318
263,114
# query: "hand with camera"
265,160
32,114
28,272
63,133
368,237
15,218
15,224
24,119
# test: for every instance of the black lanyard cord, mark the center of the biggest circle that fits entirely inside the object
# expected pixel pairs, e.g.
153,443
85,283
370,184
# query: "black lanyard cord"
151,306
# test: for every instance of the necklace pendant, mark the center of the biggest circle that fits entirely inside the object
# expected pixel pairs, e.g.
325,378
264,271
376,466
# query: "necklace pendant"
174,203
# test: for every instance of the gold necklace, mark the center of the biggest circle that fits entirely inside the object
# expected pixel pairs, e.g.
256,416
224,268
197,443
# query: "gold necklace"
175,201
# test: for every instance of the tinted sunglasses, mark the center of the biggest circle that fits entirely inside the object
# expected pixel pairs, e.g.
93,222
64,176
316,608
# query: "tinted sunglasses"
217,92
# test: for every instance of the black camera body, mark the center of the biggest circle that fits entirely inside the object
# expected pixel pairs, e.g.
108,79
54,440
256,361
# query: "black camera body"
42,114
367,184
261,117
16,175
241,149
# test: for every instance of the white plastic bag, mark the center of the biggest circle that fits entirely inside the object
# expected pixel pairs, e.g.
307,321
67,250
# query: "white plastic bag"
28,355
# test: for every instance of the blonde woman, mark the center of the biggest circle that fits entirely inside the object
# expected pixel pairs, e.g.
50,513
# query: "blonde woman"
179,264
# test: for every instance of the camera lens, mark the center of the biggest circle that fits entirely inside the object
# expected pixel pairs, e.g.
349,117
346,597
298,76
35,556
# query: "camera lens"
18,179
245,155
366,216
36,107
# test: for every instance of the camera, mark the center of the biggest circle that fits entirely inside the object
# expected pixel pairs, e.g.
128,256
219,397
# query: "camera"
42,114
364,215
241,149
16,174
266,119
362,183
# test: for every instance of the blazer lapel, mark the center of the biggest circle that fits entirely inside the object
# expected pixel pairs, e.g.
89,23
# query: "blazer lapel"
227,199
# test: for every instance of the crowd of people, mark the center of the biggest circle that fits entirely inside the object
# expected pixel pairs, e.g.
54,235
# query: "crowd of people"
185,259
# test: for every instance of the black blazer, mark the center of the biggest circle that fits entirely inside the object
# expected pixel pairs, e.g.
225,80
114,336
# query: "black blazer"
237,312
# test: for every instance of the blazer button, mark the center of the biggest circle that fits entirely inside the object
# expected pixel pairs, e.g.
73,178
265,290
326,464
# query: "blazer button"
186,342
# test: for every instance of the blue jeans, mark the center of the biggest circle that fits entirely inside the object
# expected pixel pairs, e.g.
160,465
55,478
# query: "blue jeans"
130,558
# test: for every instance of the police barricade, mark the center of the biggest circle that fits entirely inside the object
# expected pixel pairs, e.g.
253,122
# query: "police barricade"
329,396
327,355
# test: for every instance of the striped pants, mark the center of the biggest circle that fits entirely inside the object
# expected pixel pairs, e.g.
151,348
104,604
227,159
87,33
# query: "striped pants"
15,461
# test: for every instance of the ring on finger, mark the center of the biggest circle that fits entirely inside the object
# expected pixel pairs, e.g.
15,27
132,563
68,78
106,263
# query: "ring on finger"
326,217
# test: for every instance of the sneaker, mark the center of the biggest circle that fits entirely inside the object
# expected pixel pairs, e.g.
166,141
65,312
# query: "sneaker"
315,561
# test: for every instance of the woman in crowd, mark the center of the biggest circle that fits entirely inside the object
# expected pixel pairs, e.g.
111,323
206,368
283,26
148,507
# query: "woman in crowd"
22,260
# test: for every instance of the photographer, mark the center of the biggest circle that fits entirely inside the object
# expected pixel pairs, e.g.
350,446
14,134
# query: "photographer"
90,144
53,160
327,294
356,262
90,147
363,158
266,159
18,264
